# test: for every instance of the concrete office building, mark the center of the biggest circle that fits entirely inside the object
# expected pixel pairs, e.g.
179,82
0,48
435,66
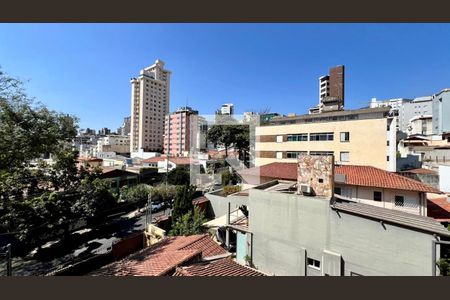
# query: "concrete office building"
150,94
357,137
113,143
441,112
179,128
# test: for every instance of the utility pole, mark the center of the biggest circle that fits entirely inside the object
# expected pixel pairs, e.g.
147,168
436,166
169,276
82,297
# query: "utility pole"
148,212
7,254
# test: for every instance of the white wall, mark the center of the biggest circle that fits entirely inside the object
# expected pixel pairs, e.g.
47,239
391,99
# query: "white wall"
444,178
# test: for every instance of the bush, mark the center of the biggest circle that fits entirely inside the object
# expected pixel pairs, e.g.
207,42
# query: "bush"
179,176
229,178
230,189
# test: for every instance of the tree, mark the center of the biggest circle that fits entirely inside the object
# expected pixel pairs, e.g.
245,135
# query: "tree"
179,176
189,223
183,201
136,194
231,134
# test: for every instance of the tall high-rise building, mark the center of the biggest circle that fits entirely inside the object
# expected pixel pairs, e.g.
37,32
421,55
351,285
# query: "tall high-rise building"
125,128
226,109
331,91
180,128
150,94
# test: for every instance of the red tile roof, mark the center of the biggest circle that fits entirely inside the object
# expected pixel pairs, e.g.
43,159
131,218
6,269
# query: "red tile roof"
220,267
420,171
200,200
354,175
438,208
154,159
163,257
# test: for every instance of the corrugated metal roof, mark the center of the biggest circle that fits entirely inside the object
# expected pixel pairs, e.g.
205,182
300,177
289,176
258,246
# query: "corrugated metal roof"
420,223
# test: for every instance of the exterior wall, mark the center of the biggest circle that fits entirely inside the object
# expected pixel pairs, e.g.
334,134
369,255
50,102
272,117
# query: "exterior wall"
441,112
219,204
177,133
367,145
417,107
420,126
150,94
282,225
287,229
444,178
337,83
414,201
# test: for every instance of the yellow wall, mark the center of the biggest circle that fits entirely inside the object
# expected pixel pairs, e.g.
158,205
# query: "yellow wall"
367,145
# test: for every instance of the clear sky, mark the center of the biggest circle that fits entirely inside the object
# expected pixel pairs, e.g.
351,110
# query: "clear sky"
85,69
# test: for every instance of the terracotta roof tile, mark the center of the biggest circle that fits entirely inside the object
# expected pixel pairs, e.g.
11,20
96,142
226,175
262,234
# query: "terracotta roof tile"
354,175
438,208
220,267
420,171
163,257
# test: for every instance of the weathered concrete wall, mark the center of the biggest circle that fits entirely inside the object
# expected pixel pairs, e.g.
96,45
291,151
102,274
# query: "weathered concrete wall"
282,224
368,248
219,204
288,229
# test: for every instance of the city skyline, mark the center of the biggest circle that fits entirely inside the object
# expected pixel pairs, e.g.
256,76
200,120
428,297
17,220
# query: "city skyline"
90,68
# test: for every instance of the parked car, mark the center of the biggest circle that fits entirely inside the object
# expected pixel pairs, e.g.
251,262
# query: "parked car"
156,207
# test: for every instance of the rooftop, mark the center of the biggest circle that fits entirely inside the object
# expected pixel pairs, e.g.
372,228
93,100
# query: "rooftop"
219,267
420,223
354,175
163,257
333,116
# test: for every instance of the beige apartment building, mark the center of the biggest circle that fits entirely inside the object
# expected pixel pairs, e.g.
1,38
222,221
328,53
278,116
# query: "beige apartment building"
357,137
150,94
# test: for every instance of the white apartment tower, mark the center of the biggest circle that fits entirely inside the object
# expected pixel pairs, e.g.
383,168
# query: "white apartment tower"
150,93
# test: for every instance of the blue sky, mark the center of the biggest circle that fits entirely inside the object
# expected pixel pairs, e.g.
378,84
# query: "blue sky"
84,69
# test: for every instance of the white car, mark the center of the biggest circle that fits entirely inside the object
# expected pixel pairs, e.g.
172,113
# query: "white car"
156,207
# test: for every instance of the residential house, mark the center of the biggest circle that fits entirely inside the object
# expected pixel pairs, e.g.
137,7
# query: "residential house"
295,231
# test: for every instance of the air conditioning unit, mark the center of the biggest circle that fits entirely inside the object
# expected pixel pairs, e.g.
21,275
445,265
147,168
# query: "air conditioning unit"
305,188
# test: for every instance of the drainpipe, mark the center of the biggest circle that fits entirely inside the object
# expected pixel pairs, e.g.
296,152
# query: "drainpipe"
227,232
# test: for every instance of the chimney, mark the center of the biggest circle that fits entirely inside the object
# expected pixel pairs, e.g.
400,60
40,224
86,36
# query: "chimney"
315,175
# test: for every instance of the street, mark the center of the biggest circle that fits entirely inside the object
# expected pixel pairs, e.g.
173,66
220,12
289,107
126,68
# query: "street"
126,225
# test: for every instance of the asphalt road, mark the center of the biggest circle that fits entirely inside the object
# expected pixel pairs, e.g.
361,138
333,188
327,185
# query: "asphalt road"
100,243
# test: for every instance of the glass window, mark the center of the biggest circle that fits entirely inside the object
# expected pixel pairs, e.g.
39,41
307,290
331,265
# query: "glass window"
345,156
399,201
321,153
279,138
313,263
295,154
345,136
377,196
279,155
300,137
324,136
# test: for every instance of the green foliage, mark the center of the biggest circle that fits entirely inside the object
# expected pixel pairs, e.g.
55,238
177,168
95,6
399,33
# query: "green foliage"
183,201
38,199
179,176
136,194
189,223
444,266
163,193
230,189
230,134
229,178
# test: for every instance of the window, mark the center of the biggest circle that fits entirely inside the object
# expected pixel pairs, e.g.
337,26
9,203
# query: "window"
279,138
399,201
314,263
345,136
387,143
301,137
337,190
345,156
279,155
387,158
377,196
324,136
321,153
295,154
